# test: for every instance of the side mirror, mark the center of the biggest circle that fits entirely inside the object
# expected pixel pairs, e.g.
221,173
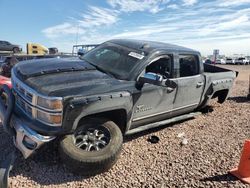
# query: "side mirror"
151,78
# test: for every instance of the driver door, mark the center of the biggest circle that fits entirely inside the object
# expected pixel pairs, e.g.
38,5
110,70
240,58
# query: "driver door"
154,102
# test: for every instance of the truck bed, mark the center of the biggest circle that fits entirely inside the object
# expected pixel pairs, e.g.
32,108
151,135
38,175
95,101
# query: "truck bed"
219,82
215,69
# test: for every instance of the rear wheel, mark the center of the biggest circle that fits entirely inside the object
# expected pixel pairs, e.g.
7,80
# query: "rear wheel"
93,148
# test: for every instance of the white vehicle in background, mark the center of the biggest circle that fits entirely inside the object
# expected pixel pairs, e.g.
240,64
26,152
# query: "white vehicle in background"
223,61
229,61
217,61
246,61
241,61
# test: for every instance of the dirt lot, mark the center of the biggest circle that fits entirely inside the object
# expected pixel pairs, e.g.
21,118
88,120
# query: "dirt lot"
214,145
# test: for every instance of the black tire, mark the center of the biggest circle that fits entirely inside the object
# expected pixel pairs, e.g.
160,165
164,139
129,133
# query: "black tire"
90,163
15,50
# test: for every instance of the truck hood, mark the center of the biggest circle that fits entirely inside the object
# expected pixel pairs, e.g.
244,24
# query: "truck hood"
65,77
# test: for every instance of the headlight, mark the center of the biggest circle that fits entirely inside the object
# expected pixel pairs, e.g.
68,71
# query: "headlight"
49,118
51,104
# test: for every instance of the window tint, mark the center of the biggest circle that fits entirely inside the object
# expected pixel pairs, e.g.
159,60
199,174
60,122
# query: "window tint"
114,60
160,66
189,65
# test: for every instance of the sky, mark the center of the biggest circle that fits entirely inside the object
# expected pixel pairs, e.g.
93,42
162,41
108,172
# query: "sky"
197,24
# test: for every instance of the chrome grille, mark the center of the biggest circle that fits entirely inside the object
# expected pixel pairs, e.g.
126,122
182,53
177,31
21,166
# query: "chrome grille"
25,94
26,101
25,107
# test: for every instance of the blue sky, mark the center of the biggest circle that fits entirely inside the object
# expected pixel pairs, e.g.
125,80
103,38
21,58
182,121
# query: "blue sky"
201,25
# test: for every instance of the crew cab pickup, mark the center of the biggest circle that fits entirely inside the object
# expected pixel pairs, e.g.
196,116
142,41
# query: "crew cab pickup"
118,88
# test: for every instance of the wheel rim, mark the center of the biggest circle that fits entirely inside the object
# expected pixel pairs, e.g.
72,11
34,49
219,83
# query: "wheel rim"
92,139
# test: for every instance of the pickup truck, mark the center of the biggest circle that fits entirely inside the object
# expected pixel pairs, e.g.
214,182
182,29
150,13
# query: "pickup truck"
119,88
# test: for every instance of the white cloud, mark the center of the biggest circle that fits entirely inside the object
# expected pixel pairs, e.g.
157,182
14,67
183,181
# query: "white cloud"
227,25
144,31
202,26
152,6
62,29
189,2
95,17
173,6
226,3
98,16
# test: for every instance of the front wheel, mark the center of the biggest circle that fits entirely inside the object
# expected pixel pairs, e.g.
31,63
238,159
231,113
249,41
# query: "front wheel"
93,148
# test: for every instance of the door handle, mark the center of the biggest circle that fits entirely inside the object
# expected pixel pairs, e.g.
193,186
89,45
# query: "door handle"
199,84
170,89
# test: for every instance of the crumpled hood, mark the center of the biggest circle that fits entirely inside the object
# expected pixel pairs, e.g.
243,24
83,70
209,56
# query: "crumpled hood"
65,77
49,66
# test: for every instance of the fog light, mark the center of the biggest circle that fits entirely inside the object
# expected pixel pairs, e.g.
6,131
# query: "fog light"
30,144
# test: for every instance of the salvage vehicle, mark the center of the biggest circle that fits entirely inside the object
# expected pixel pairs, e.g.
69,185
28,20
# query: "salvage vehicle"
7,46
5,81
119,88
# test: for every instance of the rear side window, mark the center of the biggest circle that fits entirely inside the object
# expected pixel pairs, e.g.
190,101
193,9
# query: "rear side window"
189,65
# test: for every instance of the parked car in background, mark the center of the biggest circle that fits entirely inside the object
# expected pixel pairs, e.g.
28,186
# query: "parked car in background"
246,61
53,50
241,61
5,81
223,61
10,61
7,46
229,61
208,61
218,61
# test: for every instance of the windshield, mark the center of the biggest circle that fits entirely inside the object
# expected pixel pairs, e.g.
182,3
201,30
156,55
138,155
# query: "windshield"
114,59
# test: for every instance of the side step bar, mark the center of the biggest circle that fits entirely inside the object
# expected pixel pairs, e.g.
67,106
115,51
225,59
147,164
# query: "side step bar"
164,122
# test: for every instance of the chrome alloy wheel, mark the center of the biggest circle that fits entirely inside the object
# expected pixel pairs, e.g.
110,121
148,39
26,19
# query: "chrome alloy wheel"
92,139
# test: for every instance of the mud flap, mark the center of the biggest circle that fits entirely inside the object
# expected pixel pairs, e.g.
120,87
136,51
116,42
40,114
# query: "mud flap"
6,167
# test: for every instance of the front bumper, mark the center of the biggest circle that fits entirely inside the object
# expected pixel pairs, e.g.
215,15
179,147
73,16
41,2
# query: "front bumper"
25,139
24,134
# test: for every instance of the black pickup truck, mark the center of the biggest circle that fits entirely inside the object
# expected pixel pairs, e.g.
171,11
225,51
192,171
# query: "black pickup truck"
118,88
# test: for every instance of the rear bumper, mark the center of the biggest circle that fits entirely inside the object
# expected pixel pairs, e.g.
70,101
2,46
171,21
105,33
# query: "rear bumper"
25,139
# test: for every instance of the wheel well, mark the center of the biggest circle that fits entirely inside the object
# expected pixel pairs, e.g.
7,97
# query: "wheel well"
221,94
119,117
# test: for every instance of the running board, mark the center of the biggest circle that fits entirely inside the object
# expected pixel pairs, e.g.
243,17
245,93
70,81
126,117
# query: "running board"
164,122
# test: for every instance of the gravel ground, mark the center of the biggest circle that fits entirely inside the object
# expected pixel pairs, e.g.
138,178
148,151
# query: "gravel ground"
214,144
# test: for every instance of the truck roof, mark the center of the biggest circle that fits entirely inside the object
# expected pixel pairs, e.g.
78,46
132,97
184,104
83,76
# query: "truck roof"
149,46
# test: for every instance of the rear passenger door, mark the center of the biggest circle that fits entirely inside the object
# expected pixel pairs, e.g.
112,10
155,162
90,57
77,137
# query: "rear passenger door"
190,84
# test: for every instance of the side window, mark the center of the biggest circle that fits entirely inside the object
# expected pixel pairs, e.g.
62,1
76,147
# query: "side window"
160,66
189,65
